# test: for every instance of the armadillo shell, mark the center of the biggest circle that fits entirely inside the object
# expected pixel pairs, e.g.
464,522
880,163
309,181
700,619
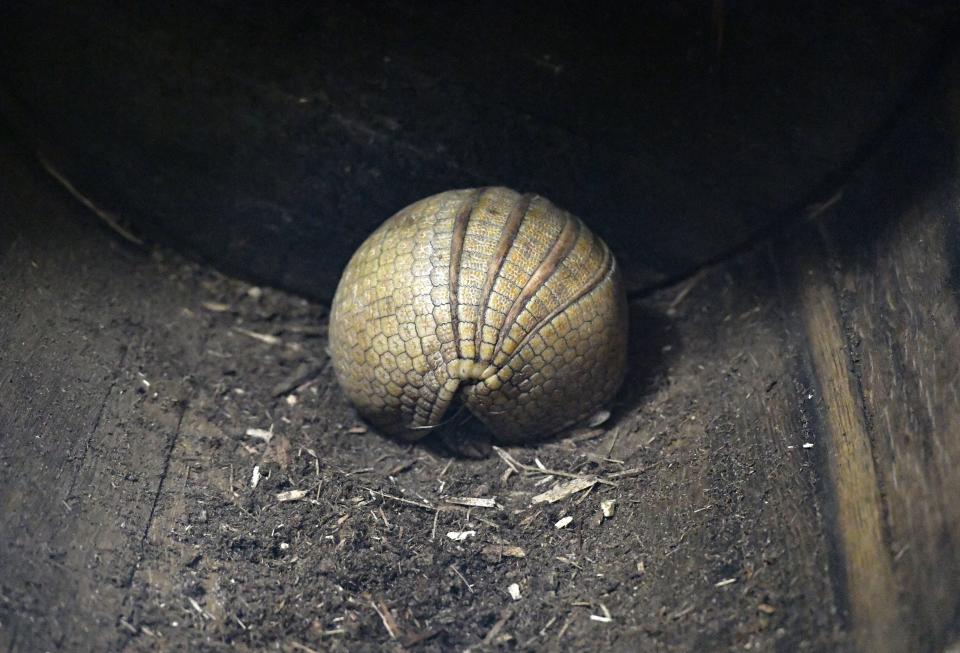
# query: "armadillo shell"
500,299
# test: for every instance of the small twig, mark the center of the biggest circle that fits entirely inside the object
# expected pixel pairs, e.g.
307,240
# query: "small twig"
384,495
519,467
613,443
262,337
689,285
386,617
196,606
546,626
106,216
498,625
457,572
510,460
819,208
445,468
126,624
629,473
473,502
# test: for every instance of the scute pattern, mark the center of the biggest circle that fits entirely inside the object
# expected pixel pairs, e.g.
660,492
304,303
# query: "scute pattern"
501,297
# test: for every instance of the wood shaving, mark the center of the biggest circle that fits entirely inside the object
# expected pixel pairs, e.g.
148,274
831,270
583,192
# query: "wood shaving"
291,495
608,507
494,551
473,502
460,536
263,434
565,490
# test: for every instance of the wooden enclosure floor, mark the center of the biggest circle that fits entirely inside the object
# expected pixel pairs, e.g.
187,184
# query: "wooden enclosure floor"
179,471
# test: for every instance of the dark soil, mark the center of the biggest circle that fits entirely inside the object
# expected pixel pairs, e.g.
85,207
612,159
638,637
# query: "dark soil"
698,554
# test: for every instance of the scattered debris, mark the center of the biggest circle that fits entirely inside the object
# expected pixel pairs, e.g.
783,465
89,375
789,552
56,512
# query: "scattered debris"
330,520
386,616
305,372
565,490
808,445
473,502
126,624
496,551
460,536
596,458
498,625
383,495
196,606
608,507
540,468
263,434
725,582
291,495
454,569
605,618
568,561
262,337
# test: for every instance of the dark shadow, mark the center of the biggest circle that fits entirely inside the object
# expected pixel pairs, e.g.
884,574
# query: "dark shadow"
654,343
953,250
913,174
271,143
462,436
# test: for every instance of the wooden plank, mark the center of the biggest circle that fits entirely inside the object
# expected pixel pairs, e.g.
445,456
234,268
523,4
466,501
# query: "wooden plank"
855,493
902,322
876,279
84,444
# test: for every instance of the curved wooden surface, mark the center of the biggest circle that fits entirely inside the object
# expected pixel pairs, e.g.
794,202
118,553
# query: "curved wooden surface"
271,142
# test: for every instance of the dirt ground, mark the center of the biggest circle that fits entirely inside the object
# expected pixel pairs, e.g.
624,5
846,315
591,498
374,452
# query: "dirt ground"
285,523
